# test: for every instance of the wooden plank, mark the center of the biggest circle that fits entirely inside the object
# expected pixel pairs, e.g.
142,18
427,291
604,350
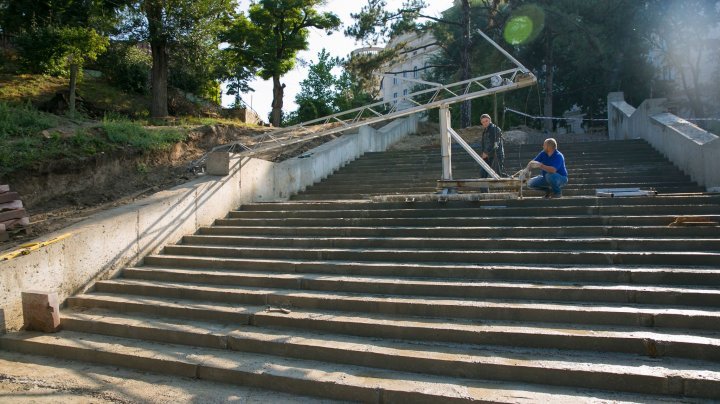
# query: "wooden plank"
13,214
9,197
4,188
479,183
13,223
11,205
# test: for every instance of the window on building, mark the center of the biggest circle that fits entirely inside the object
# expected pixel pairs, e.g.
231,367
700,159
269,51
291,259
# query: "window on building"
404,74
405,92
394,95
416,73
395,80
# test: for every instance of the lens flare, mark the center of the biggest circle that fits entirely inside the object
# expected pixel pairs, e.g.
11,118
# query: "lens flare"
518,30
524,25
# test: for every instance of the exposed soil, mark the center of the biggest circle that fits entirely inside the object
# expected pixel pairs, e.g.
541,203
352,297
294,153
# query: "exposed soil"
60,193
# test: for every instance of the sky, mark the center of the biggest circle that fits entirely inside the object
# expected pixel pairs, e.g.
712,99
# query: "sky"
336,44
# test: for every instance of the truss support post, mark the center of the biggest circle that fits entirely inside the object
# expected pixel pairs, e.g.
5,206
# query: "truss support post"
445,142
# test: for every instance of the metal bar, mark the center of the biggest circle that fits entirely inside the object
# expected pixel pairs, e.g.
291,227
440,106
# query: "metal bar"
393,114
473,154
503,51
429,83
445,142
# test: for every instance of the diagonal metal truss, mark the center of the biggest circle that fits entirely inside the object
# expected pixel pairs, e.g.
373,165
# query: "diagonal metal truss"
437,96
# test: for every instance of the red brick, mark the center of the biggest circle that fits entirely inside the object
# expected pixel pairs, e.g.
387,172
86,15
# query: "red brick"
13,214
41,311
9,197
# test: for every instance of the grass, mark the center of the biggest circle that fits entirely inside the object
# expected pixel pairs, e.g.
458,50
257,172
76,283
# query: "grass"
128,133
23,121
28,140
37,89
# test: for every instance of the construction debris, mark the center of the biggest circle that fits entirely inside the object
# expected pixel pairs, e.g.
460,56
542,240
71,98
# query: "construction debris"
693,221
13,217
623,192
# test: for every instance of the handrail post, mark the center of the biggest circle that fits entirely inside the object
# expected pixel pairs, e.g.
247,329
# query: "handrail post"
445,142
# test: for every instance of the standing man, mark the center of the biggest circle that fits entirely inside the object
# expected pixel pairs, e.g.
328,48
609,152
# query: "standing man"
554,175
493,151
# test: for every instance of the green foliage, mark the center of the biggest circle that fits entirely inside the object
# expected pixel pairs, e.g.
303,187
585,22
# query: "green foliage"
27,139
127,67
128,133
52,50
318,91
269,38
323,93
22,121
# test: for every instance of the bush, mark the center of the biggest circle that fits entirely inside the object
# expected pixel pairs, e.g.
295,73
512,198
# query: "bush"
40,51
128,133
23,121
127,67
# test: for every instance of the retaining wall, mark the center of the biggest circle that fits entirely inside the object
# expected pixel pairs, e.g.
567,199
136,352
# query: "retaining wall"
100,246
695,151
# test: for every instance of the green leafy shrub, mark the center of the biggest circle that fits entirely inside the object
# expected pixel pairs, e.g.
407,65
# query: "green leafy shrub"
127,67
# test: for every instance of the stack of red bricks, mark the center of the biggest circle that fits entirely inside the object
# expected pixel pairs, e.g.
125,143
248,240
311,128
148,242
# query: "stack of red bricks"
12,214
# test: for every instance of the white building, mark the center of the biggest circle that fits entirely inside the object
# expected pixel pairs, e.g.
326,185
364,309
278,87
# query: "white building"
412,64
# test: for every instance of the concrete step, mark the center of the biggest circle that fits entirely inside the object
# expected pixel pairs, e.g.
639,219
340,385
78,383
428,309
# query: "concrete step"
627,314
88,313
567,192
652,342
529,254
431,178
498,210
335,381
640,275
616,371
415,187
494,289
450,232
680,200
476,221
469,242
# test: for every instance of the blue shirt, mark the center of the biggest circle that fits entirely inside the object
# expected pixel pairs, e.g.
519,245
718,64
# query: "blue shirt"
557,160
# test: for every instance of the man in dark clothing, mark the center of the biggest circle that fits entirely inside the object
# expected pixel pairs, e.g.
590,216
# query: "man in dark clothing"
493,151
554,175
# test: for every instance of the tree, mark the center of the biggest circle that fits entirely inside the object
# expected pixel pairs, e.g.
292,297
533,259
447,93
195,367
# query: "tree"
319,90
680,31
168,24
323,93
80,45
273,33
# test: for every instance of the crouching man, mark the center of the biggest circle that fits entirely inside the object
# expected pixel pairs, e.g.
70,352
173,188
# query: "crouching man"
554,175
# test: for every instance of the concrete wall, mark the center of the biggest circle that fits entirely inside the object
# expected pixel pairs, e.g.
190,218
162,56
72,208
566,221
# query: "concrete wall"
695,151
266,181
99,247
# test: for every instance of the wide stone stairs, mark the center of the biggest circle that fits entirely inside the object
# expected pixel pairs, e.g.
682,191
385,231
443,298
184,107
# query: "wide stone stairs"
591,165
572,300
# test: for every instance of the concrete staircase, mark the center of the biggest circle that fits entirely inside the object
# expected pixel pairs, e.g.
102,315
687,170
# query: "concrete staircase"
569,300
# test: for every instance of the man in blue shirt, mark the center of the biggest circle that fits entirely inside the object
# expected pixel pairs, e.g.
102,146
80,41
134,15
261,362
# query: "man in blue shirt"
554,175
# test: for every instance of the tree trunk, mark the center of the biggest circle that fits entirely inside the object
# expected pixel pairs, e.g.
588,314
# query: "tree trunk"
74,68
277,104
549,72
465,72
159,80
158,46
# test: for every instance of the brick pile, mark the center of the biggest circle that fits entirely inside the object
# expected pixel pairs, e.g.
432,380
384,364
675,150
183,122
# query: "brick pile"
13,216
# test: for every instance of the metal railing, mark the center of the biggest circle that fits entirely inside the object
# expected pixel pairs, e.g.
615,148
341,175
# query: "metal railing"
437,96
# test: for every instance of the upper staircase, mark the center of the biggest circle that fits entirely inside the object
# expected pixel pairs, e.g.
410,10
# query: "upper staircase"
576,299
